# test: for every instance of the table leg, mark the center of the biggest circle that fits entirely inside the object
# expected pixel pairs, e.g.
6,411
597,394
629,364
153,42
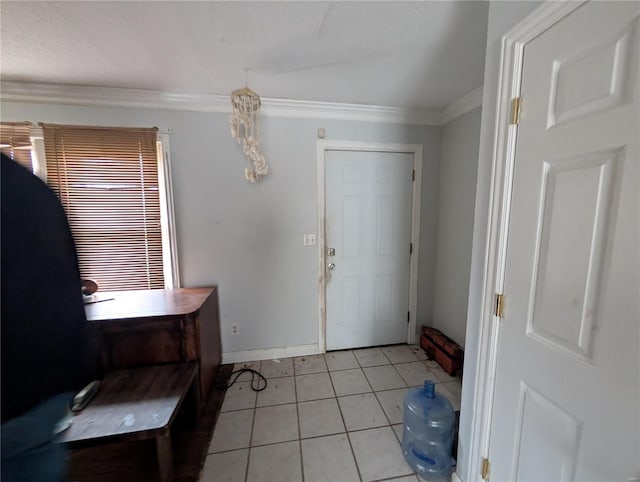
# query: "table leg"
165,457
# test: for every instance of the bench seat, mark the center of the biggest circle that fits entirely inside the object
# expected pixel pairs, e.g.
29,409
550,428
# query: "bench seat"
136,404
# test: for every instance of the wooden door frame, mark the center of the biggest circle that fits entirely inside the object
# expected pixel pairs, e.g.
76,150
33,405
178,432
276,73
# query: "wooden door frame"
349,146
510,77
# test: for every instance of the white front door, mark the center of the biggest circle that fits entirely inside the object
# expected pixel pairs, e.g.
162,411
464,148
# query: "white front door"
566,401
368,232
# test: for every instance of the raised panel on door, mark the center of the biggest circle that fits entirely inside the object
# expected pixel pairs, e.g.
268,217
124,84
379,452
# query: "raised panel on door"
540,421
567,381
571,234
368,224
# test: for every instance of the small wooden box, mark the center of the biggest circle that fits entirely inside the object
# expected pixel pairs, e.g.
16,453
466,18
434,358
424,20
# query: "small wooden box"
442,349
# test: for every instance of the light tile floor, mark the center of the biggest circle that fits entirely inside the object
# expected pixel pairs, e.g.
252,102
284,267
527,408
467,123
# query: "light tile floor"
335,417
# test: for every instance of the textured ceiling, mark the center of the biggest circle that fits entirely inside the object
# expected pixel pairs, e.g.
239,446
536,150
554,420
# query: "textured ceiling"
402,54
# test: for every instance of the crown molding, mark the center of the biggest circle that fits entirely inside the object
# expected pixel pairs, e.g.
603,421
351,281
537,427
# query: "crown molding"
110,96
353,112
149,99
459,107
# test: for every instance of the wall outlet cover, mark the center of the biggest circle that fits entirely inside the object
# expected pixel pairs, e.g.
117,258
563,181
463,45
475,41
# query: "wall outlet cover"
309,240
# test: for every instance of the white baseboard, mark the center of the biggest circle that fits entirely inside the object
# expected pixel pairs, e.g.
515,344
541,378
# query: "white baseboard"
455,477
270,353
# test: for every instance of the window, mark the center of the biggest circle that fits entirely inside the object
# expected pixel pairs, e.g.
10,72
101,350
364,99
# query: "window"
114,186
15,142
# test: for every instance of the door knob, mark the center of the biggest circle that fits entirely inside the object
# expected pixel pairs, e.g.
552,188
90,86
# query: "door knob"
331,266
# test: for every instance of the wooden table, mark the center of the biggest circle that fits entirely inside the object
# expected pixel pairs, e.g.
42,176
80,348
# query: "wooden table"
136,404
149,327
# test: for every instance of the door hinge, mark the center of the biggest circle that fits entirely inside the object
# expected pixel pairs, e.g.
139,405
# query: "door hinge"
408,316
410,248
515,110
499,305
413,175
486,468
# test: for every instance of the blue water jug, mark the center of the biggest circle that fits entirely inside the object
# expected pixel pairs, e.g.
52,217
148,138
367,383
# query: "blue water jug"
427,436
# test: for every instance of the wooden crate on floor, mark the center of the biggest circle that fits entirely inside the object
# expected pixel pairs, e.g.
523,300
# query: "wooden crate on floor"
439,347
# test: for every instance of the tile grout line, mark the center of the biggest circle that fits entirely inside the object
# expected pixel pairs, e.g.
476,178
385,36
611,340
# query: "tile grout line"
375,394
383,410
401,378
353,454
295,394
253,422
397,373
312,437
334,397
390,425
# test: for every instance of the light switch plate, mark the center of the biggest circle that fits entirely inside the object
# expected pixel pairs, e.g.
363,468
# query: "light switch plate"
309,240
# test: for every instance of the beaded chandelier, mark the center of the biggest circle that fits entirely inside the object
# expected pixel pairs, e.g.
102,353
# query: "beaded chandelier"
245,129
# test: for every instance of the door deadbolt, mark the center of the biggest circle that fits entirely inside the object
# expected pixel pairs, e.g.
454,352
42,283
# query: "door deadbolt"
331,266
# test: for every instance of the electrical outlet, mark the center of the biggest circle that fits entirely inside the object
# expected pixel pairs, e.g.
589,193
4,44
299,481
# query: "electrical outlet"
235,330
309,240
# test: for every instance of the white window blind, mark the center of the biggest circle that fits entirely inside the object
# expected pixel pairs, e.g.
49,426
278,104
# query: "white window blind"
107,181
15,142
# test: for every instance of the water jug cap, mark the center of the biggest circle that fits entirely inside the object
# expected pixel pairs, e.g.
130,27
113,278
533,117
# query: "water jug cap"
429,389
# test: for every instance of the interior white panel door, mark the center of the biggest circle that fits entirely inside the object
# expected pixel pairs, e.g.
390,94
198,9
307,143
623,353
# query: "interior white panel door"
566,402
368,225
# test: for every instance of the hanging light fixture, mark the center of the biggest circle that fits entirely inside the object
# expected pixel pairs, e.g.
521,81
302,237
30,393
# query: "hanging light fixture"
245,129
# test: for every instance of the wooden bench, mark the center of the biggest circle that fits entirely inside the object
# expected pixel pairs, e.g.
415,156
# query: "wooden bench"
136,404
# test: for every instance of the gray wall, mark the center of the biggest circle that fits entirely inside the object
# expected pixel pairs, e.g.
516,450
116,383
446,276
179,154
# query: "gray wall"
458,169
502,17
248,238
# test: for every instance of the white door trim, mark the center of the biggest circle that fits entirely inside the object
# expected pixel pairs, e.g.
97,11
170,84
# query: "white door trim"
416,151
513,43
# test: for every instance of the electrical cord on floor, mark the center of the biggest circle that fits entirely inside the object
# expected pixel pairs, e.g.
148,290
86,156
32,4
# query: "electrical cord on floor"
255,383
